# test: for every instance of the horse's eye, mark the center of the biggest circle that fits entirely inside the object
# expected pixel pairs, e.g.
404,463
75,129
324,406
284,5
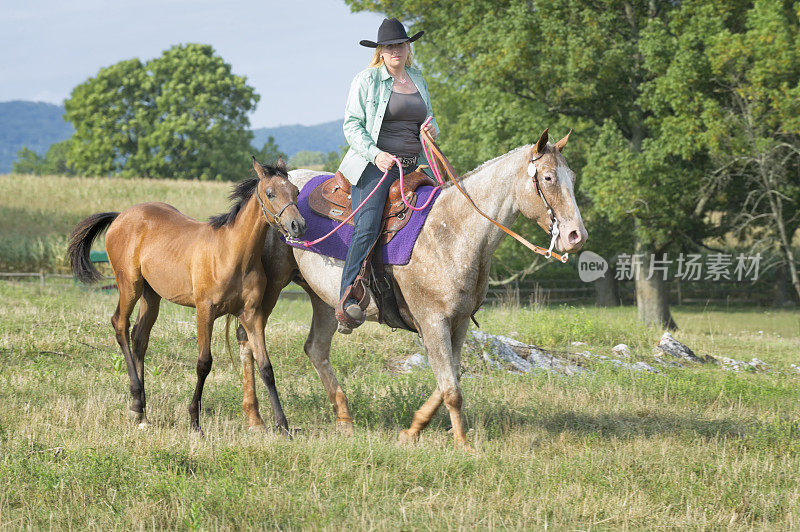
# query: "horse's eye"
270,194
548,178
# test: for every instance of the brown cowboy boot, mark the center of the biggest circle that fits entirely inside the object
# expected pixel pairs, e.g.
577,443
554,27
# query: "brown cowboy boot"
350,310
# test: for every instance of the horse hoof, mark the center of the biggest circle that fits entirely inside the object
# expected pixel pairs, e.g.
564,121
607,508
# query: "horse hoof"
465,447
260,429
345,428
144,424
136,417
407,437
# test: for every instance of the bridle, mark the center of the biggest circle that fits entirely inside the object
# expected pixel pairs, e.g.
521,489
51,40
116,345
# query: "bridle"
275,222
554,232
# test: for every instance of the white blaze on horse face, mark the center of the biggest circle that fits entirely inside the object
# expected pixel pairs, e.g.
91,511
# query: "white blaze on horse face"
531,169
565,181
572,220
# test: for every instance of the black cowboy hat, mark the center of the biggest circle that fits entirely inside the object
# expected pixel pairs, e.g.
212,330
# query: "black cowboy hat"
391,32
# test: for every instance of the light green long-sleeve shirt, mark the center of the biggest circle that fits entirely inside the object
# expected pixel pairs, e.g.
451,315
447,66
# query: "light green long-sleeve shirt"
363,116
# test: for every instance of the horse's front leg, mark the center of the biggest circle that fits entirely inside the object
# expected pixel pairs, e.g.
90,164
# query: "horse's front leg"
250,399
438,339
423,416
253,321
205,327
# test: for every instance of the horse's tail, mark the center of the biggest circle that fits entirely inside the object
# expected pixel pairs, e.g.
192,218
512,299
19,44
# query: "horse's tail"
80,244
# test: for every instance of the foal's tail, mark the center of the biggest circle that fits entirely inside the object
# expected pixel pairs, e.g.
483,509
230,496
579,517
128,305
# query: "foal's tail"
80,243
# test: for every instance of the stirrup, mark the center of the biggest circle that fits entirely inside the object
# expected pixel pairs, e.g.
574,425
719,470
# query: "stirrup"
347,322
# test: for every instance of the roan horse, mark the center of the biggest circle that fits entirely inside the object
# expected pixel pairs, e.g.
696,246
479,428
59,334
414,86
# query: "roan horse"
446,279
157,252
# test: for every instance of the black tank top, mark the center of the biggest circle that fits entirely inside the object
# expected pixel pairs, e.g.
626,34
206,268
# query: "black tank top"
399,133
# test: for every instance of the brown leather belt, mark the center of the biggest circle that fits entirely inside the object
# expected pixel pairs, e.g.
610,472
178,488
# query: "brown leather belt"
407,161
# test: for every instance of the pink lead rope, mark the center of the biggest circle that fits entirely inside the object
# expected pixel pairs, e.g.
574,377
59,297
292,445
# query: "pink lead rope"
436,173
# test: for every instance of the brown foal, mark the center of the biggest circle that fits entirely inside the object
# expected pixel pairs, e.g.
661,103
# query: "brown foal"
156,252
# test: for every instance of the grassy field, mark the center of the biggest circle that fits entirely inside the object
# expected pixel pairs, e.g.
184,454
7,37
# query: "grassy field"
697,448
37,214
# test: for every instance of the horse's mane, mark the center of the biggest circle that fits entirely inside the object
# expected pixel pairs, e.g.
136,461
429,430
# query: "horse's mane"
487,163
240,194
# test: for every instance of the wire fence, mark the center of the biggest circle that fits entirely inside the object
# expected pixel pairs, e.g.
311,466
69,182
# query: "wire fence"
543,292
556,292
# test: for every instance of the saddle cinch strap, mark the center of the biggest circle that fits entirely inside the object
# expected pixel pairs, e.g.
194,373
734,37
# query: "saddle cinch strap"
332,200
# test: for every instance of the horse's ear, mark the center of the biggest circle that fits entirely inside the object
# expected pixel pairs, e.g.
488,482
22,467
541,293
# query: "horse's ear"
281,165
541,144
563,142
258,168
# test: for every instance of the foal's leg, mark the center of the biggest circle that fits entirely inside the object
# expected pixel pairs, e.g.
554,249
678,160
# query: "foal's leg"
318,349
129,292
254,322
250,399
148,312
205,328
438,339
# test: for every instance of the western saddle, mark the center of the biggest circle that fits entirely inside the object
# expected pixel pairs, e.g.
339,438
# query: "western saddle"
332,200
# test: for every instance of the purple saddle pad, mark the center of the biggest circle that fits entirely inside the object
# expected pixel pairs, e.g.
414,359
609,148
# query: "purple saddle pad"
398,251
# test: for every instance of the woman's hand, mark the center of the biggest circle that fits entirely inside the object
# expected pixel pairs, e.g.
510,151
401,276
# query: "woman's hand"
384,161
430,129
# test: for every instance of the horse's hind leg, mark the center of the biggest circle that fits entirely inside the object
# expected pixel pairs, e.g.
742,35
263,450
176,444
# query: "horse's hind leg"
254,322
129,293
148,313
318,349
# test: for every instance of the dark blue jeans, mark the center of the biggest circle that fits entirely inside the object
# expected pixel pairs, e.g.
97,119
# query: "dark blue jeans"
368,220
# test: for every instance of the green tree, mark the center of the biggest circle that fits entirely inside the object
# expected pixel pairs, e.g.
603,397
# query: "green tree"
734,82
54,161
270,152
334,159
28,162
307,159
181,115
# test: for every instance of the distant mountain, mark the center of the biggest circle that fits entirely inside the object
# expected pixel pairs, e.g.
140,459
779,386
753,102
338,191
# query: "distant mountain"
292,139
38,125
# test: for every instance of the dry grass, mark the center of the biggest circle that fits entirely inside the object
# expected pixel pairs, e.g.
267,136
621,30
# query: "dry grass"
691,448
38,213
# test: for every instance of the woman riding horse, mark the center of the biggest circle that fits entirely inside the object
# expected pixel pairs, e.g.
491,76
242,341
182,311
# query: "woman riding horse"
383,117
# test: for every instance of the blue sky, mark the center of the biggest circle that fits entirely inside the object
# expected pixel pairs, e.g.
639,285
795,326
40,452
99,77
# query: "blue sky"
300,55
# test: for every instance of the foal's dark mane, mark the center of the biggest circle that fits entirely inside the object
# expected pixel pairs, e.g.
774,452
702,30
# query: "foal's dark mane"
241,193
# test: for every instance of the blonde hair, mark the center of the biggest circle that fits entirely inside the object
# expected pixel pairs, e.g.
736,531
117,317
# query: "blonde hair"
377,60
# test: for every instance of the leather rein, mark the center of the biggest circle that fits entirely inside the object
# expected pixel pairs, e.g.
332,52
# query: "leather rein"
532,172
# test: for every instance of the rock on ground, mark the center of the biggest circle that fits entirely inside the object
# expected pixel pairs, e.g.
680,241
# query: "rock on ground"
502,352
672,347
